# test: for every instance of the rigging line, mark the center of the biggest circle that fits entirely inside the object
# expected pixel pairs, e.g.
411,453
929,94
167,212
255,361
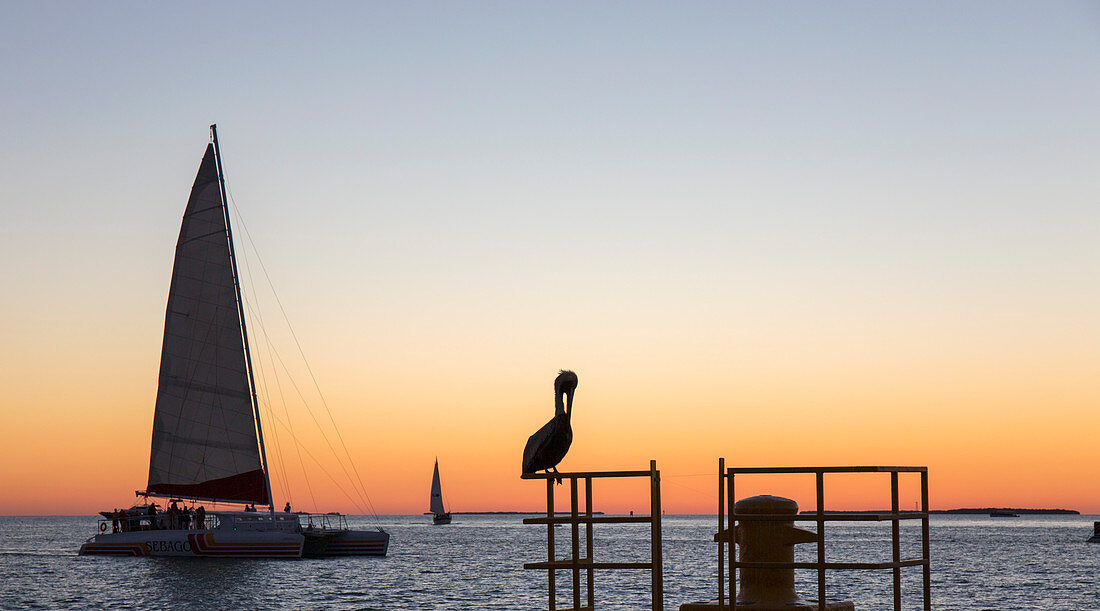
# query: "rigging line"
322,431
322,468
269,344
696,491
297,343
305,402
286,410
284,481
362,488
253,306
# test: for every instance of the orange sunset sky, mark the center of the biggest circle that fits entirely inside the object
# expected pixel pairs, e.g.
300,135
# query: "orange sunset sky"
782,234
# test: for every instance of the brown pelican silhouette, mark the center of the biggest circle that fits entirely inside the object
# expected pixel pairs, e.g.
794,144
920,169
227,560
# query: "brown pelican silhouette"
547,447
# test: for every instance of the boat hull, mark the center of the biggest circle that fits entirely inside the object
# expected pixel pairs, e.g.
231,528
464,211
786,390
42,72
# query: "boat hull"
354,543
196,543
441,518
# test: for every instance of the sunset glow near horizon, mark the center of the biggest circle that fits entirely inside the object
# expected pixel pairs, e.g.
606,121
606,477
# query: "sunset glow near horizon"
781,234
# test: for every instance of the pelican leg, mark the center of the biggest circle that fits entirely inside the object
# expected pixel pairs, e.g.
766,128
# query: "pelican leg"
555,470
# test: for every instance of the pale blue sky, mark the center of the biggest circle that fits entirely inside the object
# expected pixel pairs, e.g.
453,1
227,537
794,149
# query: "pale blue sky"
647,160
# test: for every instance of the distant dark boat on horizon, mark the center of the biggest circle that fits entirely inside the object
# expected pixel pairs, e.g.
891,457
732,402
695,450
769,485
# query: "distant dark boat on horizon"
1003,513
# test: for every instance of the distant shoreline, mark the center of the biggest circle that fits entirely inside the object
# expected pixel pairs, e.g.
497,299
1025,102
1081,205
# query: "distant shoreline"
503,513
968,511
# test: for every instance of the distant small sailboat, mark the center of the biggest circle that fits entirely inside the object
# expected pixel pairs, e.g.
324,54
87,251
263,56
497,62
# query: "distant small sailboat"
439,514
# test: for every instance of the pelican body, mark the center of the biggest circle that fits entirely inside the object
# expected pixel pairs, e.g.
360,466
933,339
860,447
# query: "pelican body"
547,447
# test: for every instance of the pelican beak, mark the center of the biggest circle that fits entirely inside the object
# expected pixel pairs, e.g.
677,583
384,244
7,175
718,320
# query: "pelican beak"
569,401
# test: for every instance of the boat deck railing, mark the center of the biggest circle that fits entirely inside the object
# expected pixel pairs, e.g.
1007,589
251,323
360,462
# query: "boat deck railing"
726,500
215,519
323,521
577,563
143,522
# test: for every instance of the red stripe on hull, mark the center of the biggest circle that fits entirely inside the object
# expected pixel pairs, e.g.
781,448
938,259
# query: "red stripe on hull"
205,545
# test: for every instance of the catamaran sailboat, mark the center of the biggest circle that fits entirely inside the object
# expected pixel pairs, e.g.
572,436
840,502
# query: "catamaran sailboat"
439,514
208,444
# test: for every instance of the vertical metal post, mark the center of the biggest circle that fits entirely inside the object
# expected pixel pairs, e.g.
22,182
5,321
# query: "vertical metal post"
576,544
895,531
821,540
657,577
731,551
550,541
924,541
721,527
588,539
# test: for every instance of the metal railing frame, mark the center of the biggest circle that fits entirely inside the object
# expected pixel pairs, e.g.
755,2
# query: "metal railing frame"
726,500
575,564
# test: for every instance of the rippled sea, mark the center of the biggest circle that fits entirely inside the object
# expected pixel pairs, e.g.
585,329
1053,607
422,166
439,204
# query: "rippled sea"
477,563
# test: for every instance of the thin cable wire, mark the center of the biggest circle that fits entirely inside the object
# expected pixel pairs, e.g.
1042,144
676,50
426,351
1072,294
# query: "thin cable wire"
321,429
319,465
358,478
269,345
362,488
305,474
257,317
284,480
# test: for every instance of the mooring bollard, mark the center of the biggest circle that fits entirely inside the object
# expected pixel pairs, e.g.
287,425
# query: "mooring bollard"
768,541
771,540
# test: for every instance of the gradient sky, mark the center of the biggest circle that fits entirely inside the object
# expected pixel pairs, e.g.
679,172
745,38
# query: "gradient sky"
783,233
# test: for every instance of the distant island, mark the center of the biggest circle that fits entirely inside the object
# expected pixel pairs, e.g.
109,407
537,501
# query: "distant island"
507,513
967,511
988,510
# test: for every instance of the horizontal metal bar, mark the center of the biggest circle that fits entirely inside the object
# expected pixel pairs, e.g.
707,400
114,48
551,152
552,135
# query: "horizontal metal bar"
583,474
828,565
583,519
587,564
829,517
854,469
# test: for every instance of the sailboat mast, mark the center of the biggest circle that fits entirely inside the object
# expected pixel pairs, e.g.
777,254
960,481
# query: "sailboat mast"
240,312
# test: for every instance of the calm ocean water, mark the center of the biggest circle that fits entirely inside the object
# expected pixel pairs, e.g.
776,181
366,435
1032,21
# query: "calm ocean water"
477,563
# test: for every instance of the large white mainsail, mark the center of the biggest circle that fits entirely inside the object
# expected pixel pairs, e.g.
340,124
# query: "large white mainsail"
204,429
436,504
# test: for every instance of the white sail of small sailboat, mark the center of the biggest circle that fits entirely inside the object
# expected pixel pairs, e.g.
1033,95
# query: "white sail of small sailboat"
208,443
439,514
